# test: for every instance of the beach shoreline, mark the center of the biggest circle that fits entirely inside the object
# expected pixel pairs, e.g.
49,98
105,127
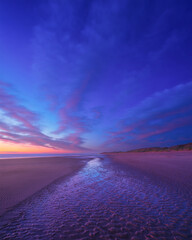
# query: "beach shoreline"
22,177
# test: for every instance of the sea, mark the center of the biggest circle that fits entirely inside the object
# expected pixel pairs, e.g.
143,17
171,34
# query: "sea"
4,156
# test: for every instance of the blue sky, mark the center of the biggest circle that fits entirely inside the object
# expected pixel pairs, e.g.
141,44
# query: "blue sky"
95,75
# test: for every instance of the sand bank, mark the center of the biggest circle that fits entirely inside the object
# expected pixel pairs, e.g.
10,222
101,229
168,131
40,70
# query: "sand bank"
176,167
20,178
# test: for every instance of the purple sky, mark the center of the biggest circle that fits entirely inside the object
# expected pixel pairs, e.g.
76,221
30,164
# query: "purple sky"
93,75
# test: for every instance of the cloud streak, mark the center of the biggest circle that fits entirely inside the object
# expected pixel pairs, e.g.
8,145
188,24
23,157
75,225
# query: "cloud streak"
99,74
23,126
157,115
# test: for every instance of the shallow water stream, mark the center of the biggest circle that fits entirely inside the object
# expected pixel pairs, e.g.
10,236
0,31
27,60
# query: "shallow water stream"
102,201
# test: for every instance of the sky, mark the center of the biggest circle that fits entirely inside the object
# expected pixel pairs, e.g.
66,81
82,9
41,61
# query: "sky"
94,75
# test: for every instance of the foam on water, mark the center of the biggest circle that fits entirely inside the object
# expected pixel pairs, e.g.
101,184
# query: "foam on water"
102,201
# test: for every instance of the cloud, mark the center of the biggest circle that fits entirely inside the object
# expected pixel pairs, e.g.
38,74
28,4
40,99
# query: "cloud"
20,125
163,112
96,63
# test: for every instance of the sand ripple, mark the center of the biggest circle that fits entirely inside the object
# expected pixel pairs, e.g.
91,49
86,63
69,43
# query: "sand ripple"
103,201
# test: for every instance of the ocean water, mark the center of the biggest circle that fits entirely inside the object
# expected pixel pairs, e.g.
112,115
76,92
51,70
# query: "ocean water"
104,200
3,156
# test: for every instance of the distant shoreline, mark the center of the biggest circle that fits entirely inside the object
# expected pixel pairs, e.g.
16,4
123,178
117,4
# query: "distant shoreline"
177,148
44,155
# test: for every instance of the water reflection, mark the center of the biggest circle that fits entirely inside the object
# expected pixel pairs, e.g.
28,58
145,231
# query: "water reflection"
102,201
96,162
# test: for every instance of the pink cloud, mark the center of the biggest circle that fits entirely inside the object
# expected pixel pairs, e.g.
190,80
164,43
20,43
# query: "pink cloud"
75,98
68,121
26,129
166,128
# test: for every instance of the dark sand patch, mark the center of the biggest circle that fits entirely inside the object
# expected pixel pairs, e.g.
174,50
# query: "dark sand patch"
20,178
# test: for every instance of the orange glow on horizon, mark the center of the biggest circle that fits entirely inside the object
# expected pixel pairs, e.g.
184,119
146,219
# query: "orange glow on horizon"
8,148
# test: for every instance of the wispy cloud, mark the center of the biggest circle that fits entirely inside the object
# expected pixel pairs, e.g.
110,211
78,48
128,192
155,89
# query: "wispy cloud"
107,70
157,115
23,126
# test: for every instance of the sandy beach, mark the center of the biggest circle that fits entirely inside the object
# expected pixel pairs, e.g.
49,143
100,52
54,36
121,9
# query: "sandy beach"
20,178
106,200
176,167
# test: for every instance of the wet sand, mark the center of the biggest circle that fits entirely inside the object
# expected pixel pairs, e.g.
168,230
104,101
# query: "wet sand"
104,200
20,178
176,167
